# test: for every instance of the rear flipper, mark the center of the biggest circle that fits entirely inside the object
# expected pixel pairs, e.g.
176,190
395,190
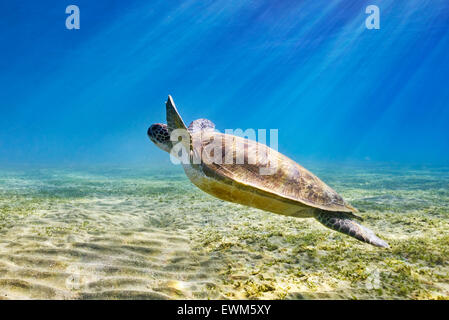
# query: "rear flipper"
344,223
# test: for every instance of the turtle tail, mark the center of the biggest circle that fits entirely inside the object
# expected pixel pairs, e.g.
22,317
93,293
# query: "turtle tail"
344,223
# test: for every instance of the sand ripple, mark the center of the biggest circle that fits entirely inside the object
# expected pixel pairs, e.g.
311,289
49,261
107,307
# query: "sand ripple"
101,248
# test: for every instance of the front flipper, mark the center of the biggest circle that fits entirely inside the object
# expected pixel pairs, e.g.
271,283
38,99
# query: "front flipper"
175,123
344,223
174,120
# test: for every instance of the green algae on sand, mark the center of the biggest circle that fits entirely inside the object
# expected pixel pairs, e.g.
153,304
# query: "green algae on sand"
150,234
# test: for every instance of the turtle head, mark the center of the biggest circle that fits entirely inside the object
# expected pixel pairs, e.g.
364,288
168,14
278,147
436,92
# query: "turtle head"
158,133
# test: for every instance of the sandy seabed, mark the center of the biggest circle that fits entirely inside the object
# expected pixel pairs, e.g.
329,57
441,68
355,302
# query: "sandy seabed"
134,233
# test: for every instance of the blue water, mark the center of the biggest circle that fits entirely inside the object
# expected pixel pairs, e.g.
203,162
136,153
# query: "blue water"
335,90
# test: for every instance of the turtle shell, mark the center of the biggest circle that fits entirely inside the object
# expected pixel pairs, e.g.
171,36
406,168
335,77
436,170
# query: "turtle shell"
286,181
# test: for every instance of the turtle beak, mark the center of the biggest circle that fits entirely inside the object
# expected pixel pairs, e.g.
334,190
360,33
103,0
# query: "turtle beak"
150,131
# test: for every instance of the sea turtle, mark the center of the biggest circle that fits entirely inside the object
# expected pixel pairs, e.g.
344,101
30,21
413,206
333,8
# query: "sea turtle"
289,190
